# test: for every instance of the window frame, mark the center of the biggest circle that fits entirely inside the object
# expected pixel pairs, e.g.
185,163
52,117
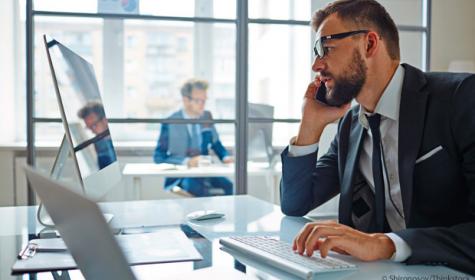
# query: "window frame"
241,119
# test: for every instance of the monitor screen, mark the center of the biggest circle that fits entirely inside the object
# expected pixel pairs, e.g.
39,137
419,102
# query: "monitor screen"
260,133
83,116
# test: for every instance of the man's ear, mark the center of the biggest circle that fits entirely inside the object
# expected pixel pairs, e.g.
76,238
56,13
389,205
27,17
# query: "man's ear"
372,43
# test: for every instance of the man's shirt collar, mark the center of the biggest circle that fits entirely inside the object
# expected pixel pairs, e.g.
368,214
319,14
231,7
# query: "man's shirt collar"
388,104
185,115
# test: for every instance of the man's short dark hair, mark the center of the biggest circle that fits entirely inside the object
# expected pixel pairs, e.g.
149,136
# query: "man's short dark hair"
365,14
92,107
191,84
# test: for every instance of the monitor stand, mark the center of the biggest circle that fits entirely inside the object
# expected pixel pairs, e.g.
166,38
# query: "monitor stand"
42,215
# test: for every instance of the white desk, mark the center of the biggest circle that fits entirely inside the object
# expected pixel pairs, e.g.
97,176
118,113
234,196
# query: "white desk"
134,172
245,215
179,171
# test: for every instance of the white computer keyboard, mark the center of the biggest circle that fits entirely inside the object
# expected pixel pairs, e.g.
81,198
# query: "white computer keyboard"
280,254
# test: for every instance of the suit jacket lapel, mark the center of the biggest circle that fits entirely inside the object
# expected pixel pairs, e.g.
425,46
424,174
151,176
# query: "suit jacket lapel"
412,112
346,193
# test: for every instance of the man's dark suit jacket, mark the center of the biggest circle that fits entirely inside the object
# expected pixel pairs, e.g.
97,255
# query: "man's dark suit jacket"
438,194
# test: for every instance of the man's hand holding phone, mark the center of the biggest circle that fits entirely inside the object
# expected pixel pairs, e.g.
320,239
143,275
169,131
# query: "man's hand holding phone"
316,115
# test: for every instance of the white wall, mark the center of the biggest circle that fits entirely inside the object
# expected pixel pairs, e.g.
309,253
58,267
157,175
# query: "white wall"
453,32
7,75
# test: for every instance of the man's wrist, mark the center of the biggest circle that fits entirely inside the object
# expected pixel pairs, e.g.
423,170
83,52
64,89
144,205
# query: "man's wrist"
403,250
308,134
297,151
389,248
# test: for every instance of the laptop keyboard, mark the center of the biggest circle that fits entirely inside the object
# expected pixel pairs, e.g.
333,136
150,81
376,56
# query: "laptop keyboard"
284,250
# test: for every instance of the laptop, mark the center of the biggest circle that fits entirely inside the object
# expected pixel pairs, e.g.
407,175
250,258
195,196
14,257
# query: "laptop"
95,250
89,239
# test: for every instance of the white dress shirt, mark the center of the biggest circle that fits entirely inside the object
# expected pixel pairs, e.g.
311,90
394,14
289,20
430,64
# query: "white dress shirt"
388,108
190,128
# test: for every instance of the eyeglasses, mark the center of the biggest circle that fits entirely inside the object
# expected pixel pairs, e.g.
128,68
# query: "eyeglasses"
197,100
320,51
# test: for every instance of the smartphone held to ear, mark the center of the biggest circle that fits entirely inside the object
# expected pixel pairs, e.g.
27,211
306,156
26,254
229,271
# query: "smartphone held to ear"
321,93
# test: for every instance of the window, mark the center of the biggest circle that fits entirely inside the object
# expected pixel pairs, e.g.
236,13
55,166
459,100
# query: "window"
159,56
142,58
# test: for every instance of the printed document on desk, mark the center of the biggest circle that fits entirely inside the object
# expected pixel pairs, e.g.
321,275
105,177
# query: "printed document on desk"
166,166
163,246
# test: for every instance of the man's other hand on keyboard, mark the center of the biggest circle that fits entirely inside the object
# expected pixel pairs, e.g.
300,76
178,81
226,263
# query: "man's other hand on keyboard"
330,235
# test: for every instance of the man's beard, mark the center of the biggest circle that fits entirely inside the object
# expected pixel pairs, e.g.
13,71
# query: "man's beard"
347,87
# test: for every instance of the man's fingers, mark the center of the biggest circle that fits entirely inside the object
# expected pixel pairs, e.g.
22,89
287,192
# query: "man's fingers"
302,237
299,242
312,241
321,231
311,90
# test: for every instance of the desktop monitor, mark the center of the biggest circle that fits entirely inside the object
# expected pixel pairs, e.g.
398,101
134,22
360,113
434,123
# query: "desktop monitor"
84,120
260,133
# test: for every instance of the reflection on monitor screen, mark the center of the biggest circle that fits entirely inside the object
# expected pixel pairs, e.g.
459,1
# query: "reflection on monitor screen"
84,118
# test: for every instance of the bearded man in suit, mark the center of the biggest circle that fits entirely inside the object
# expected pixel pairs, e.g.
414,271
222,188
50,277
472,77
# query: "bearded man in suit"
403,159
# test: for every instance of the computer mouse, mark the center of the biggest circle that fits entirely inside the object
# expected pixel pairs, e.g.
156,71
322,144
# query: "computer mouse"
204,215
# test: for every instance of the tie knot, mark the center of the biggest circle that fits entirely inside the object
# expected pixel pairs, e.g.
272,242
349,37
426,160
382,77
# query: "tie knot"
374,121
